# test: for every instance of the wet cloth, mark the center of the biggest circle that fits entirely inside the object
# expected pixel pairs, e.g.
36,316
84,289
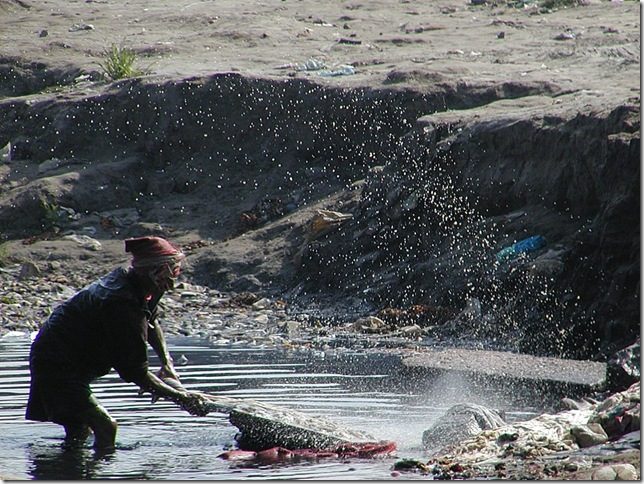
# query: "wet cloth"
364,450
103,326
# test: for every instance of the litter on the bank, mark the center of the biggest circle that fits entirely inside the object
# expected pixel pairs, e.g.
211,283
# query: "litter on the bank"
324,221
81,26
568,35
344,70
524,246
311,64
5,153
344,40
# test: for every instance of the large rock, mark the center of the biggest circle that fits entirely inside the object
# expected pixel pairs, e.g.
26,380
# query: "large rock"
459,423
619,414
623,367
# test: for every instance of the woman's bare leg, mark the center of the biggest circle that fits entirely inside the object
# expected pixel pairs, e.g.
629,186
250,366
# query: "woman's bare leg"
103,426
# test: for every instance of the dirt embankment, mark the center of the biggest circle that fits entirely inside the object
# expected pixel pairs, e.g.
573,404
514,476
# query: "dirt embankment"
440,161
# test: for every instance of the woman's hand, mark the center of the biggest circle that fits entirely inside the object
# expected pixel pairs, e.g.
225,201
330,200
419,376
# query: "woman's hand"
194,404
169,375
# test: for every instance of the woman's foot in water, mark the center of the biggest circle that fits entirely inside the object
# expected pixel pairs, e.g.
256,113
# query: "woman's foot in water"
75,436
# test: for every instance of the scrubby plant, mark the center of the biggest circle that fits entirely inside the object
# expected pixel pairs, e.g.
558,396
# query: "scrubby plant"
50,216
556,4
4,255
119,63
544,6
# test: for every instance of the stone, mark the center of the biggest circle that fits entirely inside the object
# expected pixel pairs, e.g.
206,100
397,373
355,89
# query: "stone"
412,331
619,414
625,472
263,303
411,202
121,217
369,324
49,165
606,473
572,404
262,319
85,241
324,221
589,435
28,270
460,422
81,26
292,327
472,309
624,367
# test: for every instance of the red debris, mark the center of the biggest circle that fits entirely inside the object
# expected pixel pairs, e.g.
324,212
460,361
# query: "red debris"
238,455
368,450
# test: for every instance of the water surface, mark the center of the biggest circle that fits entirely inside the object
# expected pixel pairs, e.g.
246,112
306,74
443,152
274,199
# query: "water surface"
160,441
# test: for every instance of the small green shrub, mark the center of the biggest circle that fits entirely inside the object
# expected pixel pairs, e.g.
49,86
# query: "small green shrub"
119,63
5,299
50,216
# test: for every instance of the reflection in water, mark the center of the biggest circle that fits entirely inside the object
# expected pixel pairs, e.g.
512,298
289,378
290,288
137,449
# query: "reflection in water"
66,463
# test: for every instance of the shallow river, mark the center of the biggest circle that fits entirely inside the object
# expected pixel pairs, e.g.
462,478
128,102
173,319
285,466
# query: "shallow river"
362,391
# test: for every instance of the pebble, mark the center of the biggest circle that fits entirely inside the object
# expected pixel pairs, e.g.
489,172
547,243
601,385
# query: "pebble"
28,270
589,435
263,303
606,473
625,472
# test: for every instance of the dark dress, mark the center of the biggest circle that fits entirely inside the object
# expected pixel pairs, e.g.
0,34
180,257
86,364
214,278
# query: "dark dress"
101,327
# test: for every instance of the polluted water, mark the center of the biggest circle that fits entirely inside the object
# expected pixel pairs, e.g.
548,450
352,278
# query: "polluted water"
362,391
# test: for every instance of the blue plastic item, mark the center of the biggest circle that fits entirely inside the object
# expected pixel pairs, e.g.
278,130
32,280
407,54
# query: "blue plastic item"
524,246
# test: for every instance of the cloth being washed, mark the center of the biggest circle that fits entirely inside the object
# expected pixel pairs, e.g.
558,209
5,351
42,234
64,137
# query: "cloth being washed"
271,432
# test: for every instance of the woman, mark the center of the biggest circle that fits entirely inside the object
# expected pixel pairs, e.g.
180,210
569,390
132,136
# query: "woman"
106,325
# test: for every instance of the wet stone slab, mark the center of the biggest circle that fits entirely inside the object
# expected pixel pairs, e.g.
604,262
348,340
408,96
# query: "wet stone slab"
510,366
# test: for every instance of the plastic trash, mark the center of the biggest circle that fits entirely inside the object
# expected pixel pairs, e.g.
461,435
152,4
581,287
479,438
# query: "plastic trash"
524,246
346,70
5,153
310,65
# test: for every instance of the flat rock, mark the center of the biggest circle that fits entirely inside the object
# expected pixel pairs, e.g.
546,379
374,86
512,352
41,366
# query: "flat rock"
510,365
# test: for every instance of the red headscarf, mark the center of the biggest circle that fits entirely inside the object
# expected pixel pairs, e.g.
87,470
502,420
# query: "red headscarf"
152,251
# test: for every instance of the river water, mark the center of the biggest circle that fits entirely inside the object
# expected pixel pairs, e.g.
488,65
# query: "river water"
363,391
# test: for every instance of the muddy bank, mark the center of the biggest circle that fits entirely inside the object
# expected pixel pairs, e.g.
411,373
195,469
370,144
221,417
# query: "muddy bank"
464,185
454,131
433,184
